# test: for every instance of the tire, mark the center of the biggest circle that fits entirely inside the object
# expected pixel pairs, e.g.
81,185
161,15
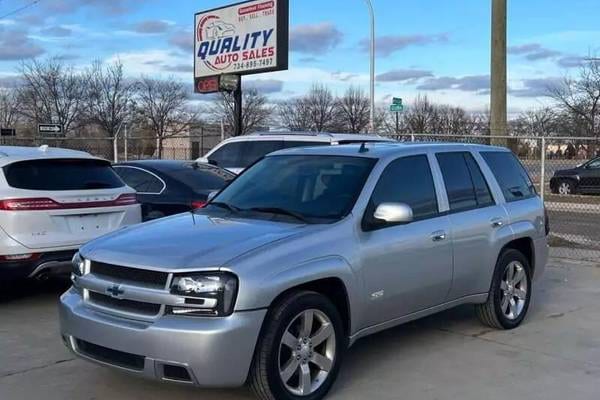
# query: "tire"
272,355
566,187
495,312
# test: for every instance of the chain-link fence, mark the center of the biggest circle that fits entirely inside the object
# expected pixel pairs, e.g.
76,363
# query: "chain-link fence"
563,174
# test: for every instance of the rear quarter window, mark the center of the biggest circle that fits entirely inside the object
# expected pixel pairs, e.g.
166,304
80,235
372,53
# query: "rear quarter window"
62,175
510,174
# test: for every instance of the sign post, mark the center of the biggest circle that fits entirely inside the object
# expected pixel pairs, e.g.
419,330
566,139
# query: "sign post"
245,38
52,129
397,107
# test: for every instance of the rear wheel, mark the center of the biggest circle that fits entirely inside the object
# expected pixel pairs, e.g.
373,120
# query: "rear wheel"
510,294
300,350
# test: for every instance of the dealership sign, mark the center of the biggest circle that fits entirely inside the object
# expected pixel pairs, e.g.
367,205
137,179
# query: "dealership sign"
241,39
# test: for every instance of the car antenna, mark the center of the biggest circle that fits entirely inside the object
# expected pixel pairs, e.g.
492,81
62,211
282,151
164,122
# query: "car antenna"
363,148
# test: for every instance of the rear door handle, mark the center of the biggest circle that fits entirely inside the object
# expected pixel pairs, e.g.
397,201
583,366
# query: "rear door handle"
439,236
497,222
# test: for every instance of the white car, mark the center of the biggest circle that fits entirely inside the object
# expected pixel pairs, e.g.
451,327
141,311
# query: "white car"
238,153
51,202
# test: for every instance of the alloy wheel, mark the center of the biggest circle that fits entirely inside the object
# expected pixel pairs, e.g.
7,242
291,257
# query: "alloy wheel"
514,287
564,188
307,352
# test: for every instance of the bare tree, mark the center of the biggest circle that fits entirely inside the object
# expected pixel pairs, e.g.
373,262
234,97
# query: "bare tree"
420,115
256,112
51,92
294,114
108,96
580,96
321,108
9,108
162,106
353,110
536,122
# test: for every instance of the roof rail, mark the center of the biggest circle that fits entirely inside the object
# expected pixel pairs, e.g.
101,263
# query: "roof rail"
286,133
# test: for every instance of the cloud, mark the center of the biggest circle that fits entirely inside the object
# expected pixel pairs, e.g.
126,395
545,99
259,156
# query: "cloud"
183,40
152,27
344,76
571,61
308,60
111,7
17,45
56,31
388,45
178,68
315,39
9,81
402,75
533,51
537,87
473,83
265,86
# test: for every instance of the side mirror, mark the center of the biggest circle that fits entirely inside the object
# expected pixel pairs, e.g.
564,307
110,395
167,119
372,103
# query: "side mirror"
204,160
393,213
211,196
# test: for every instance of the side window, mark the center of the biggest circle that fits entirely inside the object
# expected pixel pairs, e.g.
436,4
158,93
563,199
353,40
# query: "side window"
407,180
594,164
228,156
140,180
465,185
510,174
253,151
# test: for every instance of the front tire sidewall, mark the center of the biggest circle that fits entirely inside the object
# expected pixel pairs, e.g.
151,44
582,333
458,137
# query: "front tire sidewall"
506,258
279,319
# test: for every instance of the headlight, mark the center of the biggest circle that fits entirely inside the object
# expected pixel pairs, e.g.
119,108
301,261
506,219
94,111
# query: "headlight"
208,294
78,265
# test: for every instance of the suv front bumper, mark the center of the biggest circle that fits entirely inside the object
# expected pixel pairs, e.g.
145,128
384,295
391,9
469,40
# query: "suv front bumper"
208,352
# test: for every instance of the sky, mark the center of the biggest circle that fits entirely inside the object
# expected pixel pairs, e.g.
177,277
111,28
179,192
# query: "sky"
440,48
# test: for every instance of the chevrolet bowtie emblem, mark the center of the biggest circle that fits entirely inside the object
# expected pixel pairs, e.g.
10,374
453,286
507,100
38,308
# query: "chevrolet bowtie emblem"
115,291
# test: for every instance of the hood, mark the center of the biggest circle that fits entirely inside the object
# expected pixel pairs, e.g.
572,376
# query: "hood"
186,242
566,172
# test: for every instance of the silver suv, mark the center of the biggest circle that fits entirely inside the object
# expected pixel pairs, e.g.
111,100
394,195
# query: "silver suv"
304,253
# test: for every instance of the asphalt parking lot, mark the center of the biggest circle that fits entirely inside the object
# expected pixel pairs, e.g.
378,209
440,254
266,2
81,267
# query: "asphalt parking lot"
554,355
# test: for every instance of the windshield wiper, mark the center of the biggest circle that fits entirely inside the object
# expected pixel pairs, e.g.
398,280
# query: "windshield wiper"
226,206
282,211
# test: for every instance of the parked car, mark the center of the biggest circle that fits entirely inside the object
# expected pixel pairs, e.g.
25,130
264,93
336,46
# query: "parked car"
583,179
51,202
304,253
167,187
238,153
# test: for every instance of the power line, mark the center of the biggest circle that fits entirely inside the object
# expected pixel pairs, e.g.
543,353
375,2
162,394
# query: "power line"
18,10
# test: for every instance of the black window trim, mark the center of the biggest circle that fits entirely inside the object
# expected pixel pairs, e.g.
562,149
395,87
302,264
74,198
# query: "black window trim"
477,207
534,193
148,172
392,225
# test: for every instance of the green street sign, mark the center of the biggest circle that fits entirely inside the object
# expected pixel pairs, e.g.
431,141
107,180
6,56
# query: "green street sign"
397,101
396,108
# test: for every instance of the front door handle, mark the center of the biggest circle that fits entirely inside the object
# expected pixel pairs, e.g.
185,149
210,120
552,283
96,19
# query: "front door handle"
439,236
497,222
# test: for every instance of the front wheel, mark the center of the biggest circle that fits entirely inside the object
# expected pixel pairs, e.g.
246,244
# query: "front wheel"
300,350
566,187
510,293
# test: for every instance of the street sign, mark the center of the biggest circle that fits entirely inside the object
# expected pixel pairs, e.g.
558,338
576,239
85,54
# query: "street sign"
53,129
8,132
397,101
396,108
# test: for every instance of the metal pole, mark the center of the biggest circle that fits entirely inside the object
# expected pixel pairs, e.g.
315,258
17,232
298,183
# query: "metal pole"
543,172
237,98
397,125
126,143
372,72
498,107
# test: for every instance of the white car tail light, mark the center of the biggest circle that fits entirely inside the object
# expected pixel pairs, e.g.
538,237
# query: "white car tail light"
40,204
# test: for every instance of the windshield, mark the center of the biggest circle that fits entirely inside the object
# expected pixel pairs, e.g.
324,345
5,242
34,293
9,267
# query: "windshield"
312,189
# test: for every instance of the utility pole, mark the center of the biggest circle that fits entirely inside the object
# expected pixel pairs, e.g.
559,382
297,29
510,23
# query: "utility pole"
237,98
498,125
372,67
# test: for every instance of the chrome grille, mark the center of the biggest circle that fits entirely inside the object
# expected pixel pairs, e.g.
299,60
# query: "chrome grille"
142,277
123,305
